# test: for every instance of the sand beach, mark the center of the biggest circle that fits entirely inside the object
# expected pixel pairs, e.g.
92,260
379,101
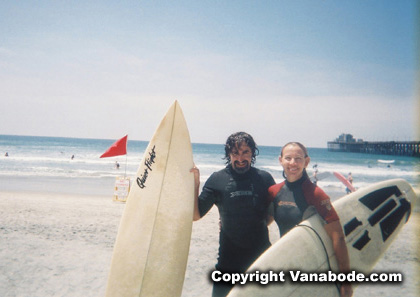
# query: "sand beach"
60,244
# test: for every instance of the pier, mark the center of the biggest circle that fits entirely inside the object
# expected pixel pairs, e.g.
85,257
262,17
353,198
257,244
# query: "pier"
346,143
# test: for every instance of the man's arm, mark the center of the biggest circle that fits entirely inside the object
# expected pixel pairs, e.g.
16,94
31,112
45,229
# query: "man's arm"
270,214
196,171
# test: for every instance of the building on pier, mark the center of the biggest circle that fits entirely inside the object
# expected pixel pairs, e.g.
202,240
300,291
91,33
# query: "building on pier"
347,143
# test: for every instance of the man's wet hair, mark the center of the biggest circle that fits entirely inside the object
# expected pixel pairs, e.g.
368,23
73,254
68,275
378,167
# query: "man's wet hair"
237,139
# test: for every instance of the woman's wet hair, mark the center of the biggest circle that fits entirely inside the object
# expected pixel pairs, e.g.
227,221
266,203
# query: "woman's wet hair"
235,140
305,151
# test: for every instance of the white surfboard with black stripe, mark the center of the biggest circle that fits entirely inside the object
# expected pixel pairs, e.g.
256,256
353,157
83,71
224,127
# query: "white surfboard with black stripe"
371,218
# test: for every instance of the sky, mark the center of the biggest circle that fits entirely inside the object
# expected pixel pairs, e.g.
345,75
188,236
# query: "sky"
280,70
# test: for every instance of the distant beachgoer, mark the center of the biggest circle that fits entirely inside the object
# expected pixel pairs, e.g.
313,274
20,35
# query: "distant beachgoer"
117,165
315,178
72,157
6,154
350,179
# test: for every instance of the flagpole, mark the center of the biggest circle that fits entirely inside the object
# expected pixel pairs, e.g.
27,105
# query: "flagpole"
125,169
126,153
119,148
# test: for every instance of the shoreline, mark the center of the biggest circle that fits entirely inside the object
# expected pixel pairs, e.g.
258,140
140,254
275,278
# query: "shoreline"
61,244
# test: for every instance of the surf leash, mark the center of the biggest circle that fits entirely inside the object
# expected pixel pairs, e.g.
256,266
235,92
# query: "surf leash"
325,250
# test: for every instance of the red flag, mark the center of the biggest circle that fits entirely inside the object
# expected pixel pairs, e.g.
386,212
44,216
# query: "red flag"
117,149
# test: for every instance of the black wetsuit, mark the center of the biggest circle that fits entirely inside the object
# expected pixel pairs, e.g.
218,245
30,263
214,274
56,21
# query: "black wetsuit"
242,200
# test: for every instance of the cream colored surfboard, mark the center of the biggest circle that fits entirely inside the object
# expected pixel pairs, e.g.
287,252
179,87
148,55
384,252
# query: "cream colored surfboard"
151,250
371,217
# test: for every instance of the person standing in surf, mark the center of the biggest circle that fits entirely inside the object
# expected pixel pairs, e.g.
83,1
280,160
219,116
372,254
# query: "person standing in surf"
240,192
297,198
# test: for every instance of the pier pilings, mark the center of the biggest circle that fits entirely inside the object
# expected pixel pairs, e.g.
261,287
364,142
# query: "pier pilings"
398,148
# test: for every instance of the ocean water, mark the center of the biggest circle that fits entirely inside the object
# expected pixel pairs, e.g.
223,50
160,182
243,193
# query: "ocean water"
45,163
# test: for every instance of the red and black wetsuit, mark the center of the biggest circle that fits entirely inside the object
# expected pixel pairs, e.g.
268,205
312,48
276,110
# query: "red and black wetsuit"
291,199
242,200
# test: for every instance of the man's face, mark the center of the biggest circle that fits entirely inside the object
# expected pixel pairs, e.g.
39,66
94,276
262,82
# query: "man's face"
240,158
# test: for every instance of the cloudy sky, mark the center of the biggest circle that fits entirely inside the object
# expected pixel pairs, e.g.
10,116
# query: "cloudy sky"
281,70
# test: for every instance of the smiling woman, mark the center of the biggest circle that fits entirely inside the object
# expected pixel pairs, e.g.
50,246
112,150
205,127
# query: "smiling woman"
294,159
297,196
